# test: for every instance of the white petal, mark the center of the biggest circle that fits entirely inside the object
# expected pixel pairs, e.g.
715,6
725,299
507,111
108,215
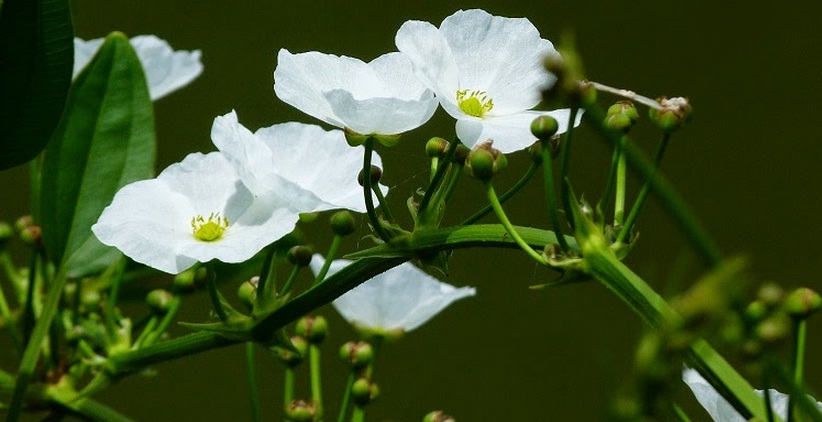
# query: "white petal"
510,133
166,70
84,51
385,116
432,57
717,407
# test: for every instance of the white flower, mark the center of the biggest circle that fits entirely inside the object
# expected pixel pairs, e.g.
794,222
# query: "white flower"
487,72
719,409
166,70
382,97
194,211
400,299
316,166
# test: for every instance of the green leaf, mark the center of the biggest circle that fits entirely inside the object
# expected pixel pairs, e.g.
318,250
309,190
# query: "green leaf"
37,56
104,141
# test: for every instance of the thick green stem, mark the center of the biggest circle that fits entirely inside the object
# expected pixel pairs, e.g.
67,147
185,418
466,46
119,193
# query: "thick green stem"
251,373
550,196
316,378
134,360
566,162
492,198
366,186
532,170
643,193
332,253
288,388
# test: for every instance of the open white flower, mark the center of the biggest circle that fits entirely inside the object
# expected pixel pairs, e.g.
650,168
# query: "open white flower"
194,211
487,72
166,70
719,409
382,97
316,166
400,299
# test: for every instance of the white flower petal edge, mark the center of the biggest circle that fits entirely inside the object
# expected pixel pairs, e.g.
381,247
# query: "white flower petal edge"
150,221
166,70
489,62
402,298
719,409
381,97
317,166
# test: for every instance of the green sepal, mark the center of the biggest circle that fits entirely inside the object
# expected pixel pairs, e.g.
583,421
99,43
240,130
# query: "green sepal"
37,56
388,140
104,141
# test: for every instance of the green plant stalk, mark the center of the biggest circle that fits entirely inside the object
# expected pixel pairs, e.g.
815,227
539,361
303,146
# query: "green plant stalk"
14,277
532,170
147,330
680,414
619,199
359,414
332,253
386,212
316,378
168,318
804,403
437,178
492,198
211,285
800,333
346,400
643,193
32,351
550,196
5,312
288,389
609,183
566,161
251,373
289,283
434,165
115,274
453,181
268,274
187,345
366,186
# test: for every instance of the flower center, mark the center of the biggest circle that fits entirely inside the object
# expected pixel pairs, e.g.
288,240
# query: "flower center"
209,229
474,103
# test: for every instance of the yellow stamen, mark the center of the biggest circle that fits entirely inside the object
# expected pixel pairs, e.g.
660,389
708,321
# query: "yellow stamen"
211,229
474,103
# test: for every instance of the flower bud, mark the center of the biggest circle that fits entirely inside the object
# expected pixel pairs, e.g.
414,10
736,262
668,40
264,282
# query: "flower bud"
774,329
436,147
771,294
90,299
438,416
247,292
21,223
301,411
313,328
461,154
484,161
342,223
184,281
31,235
357,354
802,303
624,107
300,255
159,301
544,127
6,232
756,311
364,391
376,175
288,357
674,113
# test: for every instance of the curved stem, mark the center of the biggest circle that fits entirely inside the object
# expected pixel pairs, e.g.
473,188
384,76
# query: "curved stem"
492,198
566,162
643,194
532,170
211,284
346,400
288,390
609,183
550,197
386,212
332,253
437,178
168,318
290,282
366,186
251,373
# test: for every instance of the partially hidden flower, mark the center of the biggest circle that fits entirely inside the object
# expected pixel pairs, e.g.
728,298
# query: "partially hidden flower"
315,166
166,70
194,211
396,301
487,72
382,97
719,409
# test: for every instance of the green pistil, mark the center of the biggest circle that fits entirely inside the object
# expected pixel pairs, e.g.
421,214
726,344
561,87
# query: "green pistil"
474,103
211,229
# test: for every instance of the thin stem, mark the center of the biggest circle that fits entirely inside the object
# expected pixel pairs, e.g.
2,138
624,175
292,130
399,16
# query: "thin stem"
168,318
332,252
643,194
619,199
316,379
147,331
251,372
566,162
609,184
366,186
211,285
680,414
492,198
631,95
800,329
532,170
437,178
453,180
386,212
268,275
114,273
290,282
550,196
346,400
288,390
5,312
14,277
434,165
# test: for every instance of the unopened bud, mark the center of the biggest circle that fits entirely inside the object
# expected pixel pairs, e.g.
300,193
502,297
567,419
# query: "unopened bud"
90,298
6,233
300,411
31,235
774,329
438,416
484,161
313,328
436,147
159,301
364,391
300,255
184,281
288,357
802,303
756,311
771,294
342,223
376,175
624,107
544,127
357,354
247,292
461,154
21,223
672,115
309,217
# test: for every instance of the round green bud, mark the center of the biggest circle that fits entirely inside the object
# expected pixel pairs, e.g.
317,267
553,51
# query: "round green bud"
364,391
6,233
771,294
535,151
90,299
288,357
313,328
31,235
200,275
544,127
247,292
300,411
672,114
343,223
774,329
436,147
756,311
376,175
802,303
484,161
751,349
624,107
619,122
300,255
159,301
21,223
438,416
357,354
184,281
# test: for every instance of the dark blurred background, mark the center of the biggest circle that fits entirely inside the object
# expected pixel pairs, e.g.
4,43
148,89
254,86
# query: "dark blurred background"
748,165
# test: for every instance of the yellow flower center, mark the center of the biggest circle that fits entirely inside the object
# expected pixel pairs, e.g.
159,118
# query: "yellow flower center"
210,229
474,103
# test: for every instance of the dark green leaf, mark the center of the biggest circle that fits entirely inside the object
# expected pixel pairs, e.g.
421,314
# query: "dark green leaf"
104,141
37,57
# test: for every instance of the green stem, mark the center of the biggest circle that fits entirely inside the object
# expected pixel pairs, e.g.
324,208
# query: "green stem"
550,196
268,276
147,331
332,253
346,400
800,330
566,162
316,380
251,372
168,318
134,360
680,414
94,411
643,194
32,352
13,275
114,273
366,186
288,390
289,283
211,285
767,396
492,198
452,181
609,184
437,178
5,312
386,212
359,414
619,200
434,165
532,170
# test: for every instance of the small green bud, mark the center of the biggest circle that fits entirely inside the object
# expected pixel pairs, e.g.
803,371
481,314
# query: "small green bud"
436,147
90,299
289,358
312,328
438,416
301,411
484,161
357,354
200,275
774,329
31,235
342,223
364,391
544,127
21,223
354,139
624,107
619,122
771,294
6,233
159,301
184,281
672,115
300,255
802,303
752,349
376,175
756,311
247,292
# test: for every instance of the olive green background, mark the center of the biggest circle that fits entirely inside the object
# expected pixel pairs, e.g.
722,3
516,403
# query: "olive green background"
748,164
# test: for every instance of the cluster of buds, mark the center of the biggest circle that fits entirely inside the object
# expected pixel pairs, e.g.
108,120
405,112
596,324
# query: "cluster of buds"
673,113
621,116
484,161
